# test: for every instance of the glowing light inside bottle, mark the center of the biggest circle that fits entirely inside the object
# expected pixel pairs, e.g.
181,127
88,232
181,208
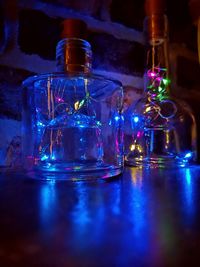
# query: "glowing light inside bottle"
59,100
166,81
136,119
117,118
43,158
157,82
76,105
152,74
132,147
188,155
40,124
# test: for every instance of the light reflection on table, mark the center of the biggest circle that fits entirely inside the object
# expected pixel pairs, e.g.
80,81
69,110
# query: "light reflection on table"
146,218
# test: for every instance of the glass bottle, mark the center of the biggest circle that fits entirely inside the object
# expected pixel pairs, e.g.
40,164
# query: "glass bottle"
72,122
160,129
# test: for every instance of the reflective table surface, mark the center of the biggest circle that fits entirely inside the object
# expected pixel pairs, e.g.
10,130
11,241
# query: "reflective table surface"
143,218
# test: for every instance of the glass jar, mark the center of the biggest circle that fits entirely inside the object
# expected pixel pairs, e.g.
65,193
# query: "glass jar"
72,121
160,130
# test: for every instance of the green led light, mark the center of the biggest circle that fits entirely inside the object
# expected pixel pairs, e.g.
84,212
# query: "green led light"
158,83
166,81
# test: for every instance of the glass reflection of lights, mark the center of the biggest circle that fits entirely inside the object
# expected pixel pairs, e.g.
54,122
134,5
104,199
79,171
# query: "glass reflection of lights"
188,194
81,215
115,198
136,176
188,176
139,209
136,147
47,202
150,230
86,219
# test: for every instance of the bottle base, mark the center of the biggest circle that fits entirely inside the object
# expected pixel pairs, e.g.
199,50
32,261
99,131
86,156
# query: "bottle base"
159,162
67,172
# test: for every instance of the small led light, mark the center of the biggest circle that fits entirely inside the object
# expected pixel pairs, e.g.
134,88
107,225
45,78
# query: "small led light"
188,155
76,105
148,109
44,158
132,147
40,124
152,74
136,119
59,100
117,118
166,81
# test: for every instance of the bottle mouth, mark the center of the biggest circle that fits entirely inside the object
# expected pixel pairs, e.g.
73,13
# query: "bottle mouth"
74,55
156,28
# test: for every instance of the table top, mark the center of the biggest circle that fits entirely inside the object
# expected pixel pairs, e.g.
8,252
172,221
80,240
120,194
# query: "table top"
143,218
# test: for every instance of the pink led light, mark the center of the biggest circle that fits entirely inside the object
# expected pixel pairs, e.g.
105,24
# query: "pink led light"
159,79
59,100
152,74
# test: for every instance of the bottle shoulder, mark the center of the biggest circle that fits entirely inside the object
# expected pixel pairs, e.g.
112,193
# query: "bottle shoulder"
144,102
71,76
95,86
168,110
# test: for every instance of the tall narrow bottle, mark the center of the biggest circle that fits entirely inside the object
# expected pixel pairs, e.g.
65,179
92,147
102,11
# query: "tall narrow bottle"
72,118
162,130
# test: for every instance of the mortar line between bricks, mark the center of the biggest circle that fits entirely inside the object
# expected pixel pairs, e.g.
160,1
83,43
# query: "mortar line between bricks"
117,30
19,60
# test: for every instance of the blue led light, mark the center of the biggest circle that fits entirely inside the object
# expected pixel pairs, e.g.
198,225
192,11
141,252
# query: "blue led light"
40,124
44,157
136,119
188,155
188,177
117,118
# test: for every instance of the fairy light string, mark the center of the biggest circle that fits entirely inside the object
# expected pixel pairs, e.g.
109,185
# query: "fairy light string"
158,83
157,94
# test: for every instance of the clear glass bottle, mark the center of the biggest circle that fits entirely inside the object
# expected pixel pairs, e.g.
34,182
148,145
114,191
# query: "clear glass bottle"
160,129
72,122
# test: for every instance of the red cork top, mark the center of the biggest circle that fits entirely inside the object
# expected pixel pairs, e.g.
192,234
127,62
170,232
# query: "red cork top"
155,24
74,28
155,7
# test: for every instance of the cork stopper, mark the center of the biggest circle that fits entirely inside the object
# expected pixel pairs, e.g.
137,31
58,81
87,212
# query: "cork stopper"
155,7
155,24
74,28
73,52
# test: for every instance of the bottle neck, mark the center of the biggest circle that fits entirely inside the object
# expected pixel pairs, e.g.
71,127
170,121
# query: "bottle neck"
74,56
157,63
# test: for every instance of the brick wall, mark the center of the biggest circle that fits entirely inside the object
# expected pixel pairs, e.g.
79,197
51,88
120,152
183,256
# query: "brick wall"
29,31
